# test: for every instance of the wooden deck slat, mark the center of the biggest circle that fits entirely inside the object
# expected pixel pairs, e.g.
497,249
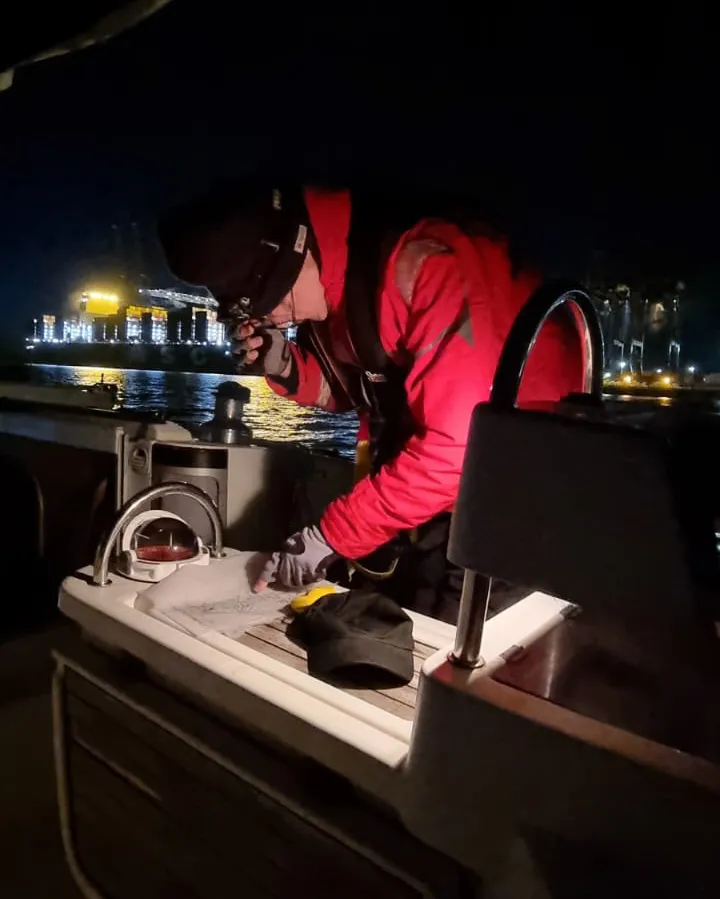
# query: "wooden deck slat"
420,651
374,697
423,651
276,634
273,641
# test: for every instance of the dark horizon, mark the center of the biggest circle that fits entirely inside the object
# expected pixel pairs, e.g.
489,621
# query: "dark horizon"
584,133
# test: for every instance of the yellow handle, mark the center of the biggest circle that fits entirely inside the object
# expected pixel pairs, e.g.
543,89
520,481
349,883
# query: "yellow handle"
312,596
363,460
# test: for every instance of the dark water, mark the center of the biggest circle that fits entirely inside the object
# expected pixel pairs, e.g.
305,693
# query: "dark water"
189,399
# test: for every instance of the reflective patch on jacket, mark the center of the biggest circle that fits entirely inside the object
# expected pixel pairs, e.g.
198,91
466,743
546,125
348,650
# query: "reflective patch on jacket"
410,261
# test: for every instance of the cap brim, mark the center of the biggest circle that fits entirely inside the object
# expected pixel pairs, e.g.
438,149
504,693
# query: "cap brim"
273,290
362,660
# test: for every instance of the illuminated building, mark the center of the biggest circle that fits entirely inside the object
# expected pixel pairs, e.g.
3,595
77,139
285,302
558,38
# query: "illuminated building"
215,329
133,323
642,326
97,303
48,328
159,325
149,328
77,331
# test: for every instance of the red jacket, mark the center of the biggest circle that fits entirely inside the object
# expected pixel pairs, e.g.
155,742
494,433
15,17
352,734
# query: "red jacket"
449,328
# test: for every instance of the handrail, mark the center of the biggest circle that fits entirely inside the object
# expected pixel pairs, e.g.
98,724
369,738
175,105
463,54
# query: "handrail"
526,328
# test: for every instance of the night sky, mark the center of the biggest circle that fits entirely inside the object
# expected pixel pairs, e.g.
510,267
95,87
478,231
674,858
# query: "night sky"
587,130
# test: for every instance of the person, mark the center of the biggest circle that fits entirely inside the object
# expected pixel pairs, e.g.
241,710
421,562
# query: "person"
404,326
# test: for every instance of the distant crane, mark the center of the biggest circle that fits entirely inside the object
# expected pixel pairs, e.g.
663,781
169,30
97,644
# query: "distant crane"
130,256
177,299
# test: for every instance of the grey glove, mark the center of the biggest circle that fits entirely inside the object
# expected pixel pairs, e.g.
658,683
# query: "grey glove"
273,355
304,558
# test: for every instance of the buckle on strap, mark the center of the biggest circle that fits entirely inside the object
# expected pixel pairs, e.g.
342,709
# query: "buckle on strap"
375,377
354,565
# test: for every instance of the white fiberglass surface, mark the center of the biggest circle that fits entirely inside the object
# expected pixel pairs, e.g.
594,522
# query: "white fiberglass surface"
349,734
219,598
342,730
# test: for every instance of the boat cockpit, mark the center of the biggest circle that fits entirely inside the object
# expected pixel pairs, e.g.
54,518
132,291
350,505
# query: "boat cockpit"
567,745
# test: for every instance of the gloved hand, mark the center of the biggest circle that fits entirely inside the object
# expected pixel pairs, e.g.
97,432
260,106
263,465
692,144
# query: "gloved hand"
268,349
304,558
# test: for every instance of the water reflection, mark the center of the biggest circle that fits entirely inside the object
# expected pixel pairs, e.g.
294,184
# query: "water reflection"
189,398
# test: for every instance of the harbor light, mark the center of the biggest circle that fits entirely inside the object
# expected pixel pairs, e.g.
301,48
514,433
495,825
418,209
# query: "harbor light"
628,379
97,302
105,317
691,369
622,364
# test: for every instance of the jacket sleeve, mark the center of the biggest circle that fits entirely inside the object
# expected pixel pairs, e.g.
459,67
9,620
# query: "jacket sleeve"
447,379
306,384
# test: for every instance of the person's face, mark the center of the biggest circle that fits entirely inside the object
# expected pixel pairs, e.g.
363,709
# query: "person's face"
305,302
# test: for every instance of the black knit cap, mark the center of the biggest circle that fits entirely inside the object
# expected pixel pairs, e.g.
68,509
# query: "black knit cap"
245,243
360,638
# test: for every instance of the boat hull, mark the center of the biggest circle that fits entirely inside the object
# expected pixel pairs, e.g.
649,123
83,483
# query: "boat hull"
143,356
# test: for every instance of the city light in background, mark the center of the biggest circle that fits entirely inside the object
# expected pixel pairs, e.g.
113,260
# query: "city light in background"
155,316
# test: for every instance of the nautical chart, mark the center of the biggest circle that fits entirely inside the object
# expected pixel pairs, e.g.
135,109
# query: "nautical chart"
217,598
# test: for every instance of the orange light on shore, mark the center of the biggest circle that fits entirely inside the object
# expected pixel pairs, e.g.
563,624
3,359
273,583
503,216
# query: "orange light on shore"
99,303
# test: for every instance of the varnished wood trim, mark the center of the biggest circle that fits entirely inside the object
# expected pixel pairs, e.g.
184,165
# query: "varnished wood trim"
207,752
641,750
83,882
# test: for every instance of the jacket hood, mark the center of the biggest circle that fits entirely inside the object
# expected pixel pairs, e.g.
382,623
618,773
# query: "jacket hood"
329,213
